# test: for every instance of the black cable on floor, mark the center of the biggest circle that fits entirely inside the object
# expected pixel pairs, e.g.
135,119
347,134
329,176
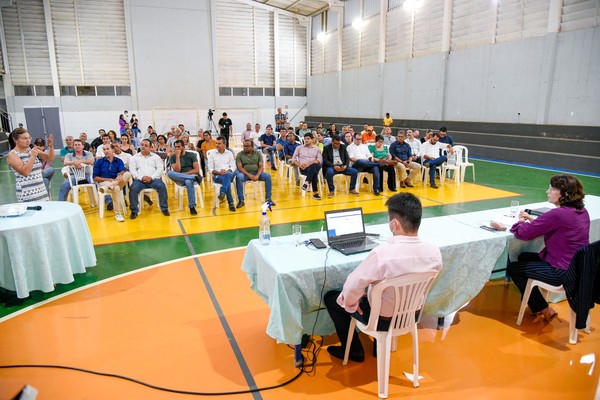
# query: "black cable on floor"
151,385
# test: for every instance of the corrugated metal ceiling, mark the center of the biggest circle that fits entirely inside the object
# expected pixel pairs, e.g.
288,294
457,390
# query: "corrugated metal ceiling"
302,7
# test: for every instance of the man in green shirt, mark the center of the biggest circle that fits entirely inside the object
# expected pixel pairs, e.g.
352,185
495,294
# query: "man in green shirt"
250,168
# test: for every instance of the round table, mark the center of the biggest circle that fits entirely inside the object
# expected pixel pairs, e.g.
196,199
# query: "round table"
42,248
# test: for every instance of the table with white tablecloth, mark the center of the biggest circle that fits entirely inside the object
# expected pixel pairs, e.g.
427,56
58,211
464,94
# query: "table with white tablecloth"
42,248
292,279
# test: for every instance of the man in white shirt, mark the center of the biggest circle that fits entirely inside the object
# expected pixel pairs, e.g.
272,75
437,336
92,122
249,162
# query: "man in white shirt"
257,134
415,144
146,169
361,159
222,165
431,153
100,149
403,254
125,157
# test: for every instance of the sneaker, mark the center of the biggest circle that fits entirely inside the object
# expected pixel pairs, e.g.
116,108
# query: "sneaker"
110,207
166,213
402,184
331,195
297,183
377,193
119,217
305,187
231,207
407,183
272,202
433,186
133,215
273,169
240,204
353,192
316,196
221,197
198,179
193,211
148,200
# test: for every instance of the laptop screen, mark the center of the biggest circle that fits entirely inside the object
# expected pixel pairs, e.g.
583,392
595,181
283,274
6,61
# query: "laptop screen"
344,224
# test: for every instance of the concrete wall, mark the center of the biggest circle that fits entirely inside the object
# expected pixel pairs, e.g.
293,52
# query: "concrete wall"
172,77
551,79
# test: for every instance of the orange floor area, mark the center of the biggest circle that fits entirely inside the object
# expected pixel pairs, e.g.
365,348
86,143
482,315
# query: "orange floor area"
161,325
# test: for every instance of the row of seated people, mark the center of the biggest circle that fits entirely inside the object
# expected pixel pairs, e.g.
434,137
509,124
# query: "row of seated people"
145,171
350,158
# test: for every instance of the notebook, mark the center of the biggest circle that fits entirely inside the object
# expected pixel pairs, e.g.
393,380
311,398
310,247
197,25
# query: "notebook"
346,231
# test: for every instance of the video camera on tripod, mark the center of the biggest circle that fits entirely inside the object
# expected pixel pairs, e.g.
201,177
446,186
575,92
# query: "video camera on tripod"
210,113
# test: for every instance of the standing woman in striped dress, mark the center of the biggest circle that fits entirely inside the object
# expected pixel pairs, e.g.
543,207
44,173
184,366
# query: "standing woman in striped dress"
27,166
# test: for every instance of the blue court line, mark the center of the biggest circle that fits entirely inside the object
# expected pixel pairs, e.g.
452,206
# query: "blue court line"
228,332
591,175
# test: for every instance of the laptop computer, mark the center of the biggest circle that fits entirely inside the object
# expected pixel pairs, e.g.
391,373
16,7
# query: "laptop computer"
346,231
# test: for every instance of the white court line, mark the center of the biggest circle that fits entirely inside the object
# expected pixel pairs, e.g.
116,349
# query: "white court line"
112,278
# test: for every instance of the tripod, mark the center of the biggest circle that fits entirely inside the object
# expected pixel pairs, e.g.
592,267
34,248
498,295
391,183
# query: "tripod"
212,127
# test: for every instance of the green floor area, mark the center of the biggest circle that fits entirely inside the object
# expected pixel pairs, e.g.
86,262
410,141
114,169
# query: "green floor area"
117,259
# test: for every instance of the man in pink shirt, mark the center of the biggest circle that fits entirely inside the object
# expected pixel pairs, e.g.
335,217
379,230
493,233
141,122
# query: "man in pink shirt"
403,254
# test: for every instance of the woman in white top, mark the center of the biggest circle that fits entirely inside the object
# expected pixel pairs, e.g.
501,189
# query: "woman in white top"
27,167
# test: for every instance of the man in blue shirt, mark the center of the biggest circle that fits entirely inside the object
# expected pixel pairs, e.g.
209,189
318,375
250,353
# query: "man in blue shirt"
279,144
267,145
402,152
288,152
111,175
444,137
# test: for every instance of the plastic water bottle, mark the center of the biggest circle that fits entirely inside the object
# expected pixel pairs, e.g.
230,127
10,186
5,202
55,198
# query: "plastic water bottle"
264,229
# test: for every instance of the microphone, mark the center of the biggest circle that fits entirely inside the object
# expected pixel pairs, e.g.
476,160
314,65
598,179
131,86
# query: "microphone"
35,208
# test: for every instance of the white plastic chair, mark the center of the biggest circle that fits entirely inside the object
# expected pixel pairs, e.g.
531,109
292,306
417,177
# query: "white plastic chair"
343,182
82,175
303,180
425,173
101,200
546,288
149,192
452,164
255,185
361,176
463,161
410,292
180,190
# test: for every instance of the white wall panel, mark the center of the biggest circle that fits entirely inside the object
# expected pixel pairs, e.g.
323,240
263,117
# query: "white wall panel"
369,41
27,43
580,14
398,38
317,57
330,52
428,25
473,23
350,48
90,50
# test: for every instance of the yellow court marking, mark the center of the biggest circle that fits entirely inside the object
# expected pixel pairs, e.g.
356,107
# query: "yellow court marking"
291,207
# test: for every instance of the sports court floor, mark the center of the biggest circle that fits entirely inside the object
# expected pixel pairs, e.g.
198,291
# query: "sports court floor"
167,304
